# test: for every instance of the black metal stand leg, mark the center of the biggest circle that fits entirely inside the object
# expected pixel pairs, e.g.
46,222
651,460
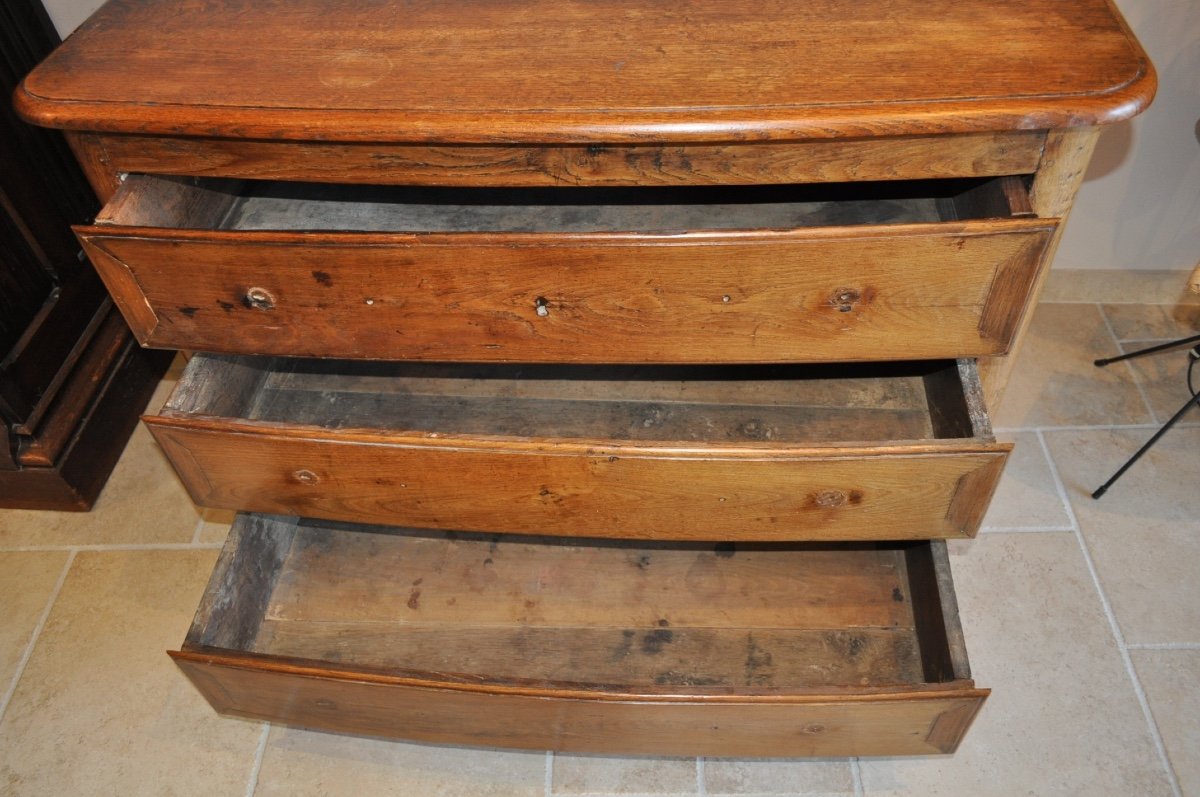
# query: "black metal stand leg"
1150,350
1193,401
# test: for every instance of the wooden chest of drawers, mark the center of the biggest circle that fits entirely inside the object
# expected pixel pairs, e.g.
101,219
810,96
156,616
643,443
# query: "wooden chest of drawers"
650,344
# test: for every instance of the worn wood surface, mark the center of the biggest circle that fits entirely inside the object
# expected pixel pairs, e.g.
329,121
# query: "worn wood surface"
746,163
922,723
599,72
599,646
1052,194
703,404
750,455
562,463
622,615
908,294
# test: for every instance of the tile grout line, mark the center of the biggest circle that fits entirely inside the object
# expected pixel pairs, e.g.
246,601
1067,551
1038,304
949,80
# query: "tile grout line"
549,776
1112,333
856,777
1115,628
132,546
36,634
1163,645
701,786
199,527
259,753
1022,529
1078,427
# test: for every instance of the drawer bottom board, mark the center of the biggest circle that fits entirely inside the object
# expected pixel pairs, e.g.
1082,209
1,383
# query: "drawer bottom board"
585,645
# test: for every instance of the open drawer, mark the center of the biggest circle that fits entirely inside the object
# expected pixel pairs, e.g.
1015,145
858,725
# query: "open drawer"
842,272
848,452
586,645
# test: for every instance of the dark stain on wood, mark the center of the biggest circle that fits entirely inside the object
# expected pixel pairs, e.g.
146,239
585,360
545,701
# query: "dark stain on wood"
626,647
226,306
189,311
897,595
759,663
414,599
654,642
323,278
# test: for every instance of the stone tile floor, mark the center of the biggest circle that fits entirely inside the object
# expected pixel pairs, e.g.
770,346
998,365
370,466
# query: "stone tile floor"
1083,617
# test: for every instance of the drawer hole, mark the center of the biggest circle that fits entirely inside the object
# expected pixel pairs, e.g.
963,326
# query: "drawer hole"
259,299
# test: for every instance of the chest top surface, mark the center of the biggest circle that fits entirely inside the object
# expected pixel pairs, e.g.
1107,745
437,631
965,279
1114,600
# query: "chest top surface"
542,71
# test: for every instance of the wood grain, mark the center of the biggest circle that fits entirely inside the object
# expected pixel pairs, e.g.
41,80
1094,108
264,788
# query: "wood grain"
834,725
911,292
594,488
1053,193
746,163
600,646
612,71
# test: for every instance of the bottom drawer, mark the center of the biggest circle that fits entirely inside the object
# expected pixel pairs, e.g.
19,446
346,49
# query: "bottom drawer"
611,646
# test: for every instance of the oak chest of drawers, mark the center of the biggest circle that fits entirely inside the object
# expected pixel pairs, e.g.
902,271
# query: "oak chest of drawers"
596,376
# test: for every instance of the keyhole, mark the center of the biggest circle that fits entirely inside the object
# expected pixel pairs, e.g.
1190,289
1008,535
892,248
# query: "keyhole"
542,306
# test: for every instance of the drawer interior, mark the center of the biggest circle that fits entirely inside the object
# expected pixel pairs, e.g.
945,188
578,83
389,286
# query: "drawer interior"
803,404
219,204
618,616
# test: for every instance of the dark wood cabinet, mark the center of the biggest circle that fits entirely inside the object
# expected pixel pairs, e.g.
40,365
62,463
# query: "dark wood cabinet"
71,379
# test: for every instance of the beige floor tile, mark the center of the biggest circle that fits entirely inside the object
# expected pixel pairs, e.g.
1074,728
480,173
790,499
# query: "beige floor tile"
1063,718
1027,497
215,526
143,502
298,762
598,774
100,708
1144,534
727,776
1163,378
1119,285
1170,678
1054,382
1153,321
27,580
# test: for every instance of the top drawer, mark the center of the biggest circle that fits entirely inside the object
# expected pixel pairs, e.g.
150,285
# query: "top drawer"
864,271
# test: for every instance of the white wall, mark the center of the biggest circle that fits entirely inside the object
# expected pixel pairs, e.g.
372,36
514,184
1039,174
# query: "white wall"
67,14
1139,207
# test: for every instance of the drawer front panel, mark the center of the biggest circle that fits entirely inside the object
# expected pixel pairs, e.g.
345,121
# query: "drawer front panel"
874,293
889,492
914,724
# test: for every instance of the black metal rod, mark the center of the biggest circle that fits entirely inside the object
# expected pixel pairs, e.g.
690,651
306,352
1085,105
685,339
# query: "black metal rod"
1150,350
1193,401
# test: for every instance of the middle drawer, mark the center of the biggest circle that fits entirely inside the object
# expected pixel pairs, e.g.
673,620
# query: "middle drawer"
886,451
850,272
